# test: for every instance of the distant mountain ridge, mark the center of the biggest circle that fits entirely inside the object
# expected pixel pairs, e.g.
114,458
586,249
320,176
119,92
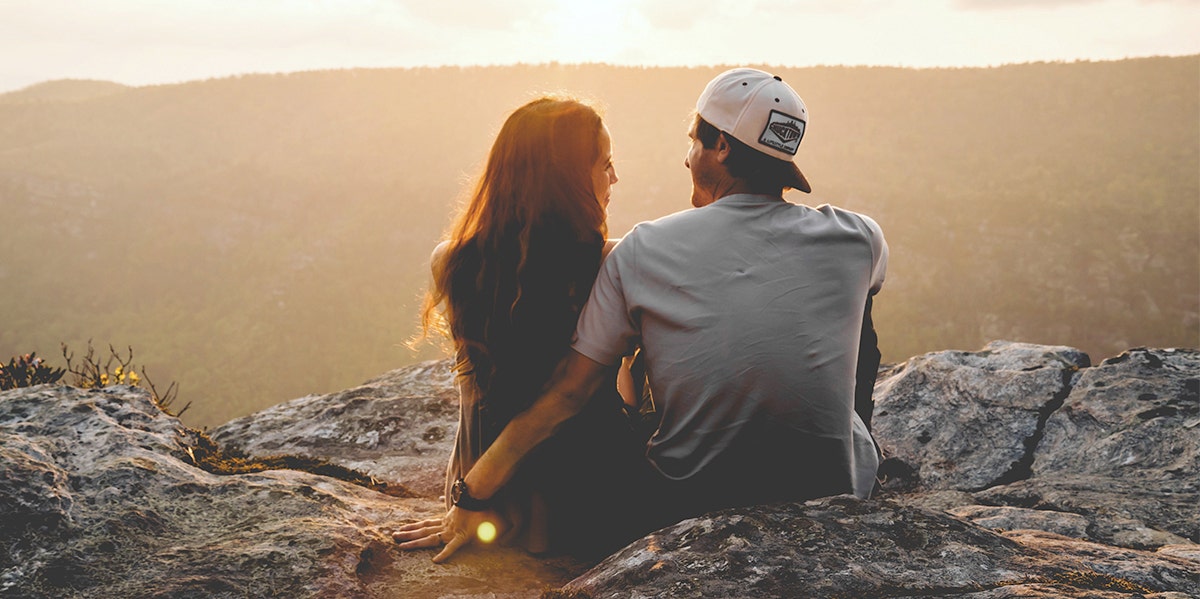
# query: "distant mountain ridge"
266,236
63,90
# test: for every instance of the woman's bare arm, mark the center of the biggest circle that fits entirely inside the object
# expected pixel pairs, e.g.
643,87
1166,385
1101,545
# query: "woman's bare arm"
576,378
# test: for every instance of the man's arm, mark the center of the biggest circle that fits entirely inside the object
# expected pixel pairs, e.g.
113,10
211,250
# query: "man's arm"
575,380
868,368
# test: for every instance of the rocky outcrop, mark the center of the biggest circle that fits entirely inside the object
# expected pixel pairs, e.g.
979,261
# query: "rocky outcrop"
100,497
1116,461
1014,471
398,427
971,420
842,547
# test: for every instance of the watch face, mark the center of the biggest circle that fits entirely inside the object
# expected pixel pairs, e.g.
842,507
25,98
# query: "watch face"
456,491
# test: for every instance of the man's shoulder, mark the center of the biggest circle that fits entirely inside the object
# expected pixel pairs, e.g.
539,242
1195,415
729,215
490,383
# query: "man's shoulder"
856,219
674,224
687,225
674,220
866,229
839,212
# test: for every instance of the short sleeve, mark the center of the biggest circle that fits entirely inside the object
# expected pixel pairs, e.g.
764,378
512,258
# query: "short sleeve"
879,253
606,331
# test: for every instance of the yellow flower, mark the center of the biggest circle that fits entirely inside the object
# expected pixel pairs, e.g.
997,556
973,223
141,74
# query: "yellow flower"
104,378
133,378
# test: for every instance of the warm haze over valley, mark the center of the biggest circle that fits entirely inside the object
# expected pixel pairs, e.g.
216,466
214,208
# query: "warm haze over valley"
247,192
137,42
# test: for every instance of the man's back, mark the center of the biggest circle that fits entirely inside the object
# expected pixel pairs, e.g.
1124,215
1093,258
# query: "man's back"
749,311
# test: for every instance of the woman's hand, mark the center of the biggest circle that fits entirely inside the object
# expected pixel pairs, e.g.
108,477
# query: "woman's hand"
457,528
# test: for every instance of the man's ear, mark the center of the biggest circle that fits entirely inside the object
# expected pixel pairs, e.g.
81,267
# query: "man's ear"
723,147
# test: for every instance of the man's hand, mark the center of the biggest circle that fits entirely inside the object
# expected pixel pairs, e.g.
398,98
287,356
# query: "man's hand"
457,528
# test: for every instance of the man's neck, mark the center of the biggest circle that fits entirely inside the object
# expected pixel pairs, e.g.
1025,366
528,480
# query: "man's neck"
737,186
726,185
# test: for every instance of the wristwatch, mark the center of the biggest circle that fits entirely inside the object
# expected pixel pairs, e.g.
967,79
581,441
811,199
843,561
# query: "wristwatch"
460,496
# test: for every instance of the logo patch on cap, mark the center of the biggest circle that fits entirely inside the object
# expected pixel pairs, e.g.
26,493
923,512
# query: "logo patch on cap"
783,132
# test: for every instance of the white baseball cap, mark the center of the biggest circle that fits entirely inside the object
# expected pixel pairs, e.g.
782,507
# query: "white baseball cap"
759,110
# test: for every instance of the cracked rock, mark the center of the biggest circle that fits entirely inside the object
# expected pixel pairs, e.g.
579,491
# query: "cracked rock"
1122,452
1128,419
969,420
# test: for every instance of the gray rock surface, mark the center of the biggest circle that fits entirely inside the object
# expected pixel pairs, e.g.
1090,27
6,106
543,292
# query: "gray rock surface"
1084,470
1123,451
1119,447
398,427
1122,513
99,498
1016,518
968,420
1156,571
843,547
1015,471
1133,417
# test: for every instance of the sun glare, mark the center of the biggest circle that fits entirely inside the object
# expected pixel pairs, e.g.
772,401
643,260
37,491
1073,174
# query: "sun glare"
486,532
587,31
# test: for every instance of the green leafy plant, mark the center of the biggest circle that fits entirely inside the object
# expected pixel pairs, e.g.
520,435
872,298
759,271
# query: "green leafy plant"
26,371
118,369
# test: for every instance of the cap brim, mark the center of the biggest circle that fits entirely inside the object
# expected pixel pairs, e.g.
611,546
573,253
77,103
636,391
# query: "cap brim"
798,181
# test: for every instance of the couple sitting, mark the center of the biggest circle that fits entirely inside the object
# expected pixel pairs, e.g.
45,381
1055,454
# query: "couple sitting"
751,316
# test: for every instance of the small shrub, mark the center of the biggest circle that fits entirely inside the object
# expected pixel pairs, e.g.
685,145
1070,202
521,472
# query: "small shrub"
118,370
26,371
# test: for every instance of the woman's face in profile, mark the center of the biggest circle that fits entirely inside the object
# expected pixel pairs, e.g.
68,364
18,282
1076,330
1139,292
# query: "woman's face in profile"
604,174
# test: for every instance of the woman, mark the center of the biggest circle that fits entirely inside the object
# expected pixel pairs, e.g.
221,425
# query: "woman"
512,278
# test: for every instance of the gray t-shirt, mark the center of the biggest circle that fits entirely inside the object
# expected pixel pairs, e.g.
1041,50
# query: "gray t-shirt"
749,310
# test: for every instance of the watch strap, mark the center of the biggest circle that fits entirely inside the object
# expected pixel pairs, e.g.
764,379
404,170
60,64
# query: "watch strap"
460,496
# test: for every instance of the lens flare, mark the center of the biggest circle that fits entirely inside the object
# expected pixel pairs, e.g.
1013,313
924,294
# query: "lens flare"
486,532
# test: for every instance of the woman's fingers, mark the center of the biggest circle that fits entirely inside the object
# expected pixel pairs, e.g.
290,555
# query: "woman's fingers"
417,533
459,540
421,524
401,537
456,529
431,540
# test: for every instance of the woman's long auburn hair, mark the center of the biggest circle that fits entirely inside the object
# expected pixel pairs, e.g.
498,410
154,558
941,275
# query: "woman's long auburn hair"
527,244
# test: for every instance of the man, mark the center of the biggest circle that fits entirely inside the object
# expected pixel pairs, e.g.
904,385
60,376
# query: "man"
749,311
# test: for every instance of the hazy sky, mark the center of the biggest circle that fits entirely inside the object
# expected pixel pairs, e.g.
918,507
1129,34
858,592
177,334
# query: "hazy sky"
141,42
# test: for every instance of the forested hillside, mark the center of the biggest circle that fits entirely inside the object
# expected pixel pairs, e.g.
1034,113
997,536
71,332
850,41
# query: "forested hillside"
263,237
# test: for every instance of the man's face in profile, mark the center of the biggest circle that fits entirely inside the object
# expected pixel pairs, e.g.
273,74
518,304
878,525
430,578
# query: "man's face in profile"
699,161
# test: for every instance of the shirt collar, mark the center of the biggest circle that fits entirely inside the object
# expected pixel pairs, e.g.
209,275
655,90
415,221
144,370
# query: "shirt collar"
748,199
